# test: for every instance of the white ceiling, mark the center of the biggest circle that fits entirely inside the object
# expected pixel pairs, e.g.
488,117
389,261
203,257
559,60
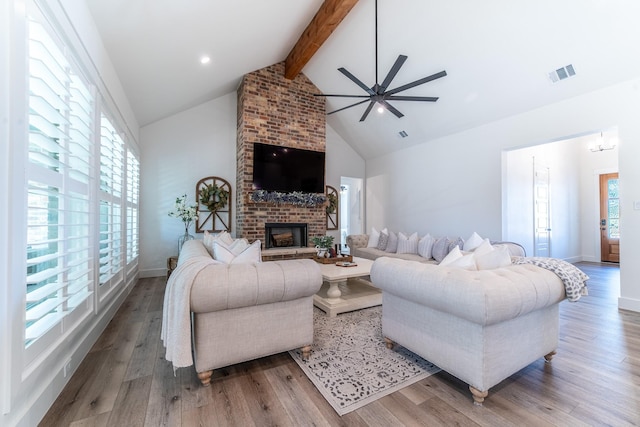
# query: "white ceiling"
497,54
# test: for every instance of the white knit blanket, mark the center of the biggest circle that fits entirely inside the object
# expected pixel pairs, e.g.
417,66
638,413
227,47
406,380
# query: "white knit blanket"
572,277
176,312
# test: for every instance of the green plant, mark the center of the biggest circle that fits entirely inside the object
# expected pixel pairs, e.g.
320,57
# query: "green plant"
213,197
333,203
324,242
187,213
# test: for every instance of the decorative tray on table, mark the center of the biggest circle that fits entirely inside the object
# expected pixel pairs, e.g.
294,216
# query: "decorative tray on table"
334,260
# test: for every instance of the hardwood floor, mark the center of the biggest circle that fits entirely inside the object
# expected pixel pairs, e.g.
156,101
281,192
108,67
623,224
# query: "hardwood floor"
125,381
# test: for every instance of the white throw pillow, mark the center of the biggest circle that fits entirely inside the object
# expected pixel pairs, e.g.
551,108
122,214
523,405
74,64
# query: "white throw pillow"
425,244
374,237
484,247
472,242
251,253
456,258
407,245
392,244
497,258
209,238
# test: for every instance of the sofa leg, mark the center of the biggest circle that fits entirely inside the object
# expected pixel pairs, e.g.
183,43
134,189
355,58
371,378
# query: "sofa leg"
205,378
548,357
306,352
390,344
478,396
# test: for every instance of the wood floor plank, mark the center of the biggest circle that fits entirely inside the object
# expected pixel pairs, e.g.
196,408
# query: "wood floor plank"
594,379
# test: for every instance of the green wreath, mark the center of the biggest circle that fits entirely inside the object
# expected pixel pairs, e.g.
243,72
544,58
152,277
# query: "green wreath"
333,203
213,197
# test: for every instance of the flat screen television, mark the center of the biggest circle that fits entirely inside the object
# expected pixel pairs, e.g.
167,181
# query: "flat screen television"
286,169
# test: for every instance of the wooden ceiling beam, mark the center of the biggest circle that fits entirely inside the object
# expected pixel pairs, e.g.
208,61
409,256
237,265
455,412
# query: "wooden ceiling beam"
328,17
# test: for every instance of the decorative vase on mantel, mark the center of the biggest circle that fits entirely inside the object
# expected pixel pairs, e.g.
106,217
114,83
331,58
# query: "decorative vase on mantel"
185,237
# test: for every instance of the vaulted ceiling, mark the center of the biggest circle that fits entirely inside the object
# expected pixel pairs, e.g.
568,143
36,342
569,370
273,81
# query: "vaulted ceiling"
497,54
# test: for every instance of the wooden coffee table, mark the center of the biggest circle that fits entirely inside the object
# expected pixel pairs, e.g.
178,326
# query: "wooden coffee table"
346,288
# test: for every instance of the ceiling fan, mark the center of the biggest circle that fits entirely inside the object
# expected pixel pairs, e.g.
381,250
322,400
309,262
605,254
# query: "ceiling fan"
378,93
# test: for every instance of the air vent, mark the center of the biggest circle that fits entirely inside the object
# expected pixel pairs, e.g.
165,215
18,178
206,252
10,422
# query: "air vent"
562,73
403,134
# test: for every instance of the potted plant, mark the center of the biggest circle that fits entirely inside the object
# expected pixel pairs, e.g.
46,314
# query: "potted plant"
323,244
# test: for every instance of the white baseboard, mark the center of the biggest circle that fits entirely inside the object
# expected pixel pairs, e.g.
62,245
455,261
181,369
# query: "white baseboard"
629,304
574,259
590,259
153,272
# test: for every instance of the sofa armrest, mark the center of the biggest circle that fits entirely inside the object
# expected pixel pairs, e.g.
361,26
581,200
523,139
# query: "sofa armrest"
355,241
222,287
484,297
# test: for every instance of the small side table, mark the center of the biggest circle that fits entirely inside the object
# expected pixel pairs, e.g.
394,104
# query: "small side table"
172,262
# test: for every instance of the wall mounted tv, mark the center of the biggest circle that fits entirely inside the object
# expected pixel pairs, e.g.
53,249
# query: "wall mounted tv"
286,169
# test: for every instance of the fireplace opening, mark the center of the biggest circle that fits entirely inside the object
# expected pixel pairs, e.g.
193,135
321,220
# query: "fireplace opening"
285,235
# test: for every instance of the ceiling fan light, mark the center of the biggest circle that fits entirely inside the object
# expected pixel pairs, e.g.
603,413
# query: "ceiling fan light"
380,109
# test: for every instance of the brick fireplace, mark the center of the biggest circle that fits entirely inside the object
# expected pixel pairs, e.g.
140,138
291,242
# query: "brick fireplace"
277,111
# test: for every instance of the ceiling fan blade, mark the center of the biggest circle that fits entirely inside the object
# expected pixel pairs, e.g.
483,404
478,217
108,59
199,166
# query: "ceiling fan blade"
342,96
367,111
411,98
391,108
392,73
348,106
417,83
356,81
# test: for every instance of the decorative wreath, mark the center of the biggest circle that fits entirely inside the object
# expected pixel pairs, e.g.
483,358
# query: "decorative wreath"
213,197
333,203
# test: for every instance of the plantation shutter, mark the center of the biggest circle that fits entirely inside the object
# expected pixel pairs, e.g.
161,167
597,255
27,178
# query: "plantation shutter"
59,274
133,193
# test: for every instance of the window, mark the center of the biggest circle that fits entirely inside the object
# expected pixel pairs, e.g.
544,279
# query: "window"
60,272
111,183
133,193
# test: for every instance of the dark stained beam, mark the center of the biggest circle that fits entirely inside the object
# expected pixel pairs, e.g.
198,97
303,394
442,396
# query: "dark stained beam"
328,17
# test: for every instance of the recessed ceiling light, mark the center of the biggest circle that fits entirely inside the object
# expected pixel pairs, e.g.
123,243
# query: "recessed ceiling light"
205,59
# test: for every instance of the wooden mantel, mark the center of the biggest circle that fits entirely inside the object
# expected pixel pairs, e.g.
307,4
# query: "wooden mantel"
327,19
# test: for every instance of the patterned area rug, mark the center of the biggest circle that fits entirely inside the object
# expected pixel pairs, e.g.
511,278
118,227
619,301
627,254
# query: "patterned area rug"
350,364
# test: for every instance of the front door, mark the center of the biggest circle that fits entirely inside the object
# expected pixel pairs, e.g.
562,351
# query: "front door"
609,218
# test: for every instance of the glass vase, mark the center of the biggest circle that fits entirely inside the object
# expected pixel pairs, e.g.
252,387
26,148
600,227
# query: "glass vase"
185,237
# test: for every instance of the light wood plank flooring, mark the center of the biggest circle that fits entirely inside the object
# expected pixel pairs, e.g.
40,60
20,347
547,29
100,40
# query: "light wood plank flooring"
125,381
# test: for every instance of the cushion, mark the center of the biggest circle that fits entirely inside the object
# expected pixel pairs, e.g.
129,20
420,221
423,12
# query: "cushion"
222,237
374,236
452,256
497,258
440,248
392,244
456,258
484,247
425,244
249,255
459,242
407,245
382,241
472,242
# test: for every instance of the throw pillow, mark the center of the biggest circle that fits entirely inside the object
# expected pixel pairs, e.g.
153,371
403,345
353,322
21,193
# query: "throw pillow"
484,247
472,242
497,258
382,241
425,245
407,245
440,249
459,242
392,244
452,256
251,253
374,236
209,238
456,258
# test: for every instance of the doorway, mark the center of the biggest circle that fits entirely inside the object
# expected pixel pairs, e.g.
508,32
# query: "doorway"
351,221
542,210
609,218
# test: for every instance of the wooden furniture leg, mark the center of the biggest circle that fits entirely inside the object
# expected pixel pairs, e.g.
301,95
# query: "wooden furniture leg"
478,396
306,352
205,378
390,344
548,357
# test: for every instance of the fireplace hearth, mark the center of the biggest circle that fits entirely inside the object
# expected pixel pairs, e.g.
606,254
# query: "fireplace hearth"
285,235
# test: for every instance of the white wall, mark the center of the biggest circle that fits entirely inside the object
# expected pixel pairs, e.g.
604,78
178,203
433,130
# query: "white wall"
452,185
182,149
179,151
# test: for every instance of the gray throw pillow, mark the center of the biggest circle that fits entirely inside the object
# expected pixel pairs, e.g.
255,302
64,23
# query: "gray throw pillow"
382,242
440,248
392,244
459,242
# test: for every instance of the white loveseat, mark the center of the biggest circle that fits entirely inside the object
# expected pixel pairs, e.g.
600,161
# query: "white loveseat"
481,326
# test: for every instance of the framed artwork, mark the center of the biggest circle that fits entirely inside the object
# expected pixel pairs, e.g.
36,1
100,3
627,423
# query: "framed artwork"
215,202
332,208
